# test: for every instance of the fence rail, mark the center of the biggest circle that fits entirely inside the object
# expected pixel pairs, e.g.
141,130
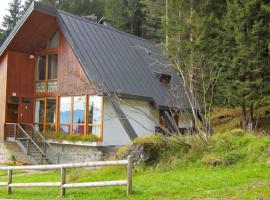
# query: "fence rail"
62,184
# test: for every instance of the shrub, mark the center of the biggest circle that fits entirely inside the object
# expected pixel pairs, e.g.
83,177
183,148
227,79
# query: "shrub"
71,137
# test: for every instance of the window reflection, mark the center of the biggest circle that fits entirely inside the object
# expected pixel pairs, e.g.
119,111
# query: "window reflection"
51,111
41,68
52,67
65,110
94,115
79,110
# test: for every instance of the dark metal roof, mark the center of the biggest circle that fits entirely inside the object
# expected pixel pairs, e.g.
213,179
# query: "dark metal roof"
115,61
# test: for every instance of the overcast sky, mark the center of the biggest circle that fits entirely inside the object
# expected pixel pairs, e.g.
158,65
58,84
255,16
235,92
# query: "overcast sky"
3,9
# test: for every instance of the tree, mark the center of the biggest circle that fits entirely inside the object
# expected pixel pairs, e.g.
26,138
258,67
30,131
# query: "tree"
13,16
154,15
247,55
26,5
83,7
2,36
118,12
136,17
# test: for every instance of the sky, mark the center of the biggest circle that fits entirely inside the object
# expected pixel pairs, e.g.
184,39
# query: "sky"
3,9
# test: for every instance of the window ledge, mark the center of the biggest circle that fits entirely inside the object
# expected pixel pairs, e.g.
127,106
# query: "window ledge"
78,143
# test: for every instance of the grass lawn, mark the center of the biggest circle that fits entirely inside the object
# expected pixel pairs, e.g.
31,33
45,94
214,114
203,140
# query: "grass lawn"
191,182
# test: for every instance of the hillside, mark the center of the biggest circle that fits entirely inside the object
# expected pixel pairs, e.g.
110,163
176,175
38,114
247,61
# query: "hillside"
230,167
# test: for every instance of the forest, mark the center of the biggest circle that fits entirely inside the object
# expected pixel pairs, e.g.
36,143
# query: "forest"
221,51
220,47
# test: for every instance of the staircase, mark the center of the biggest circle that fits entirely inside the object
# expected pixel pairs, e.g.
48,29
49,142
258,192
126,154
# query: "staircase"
30,141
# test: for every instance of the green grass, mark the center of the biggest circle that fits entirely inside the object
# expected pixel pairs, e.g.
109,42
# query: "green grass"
238,182
241,174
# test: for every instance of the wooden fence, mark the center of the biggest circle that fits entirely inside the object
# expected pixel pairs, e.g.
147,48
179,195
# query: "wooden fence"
62,184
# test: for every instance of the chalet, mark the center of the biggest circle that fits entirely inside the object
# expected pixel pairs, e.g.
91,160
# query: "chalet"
64,74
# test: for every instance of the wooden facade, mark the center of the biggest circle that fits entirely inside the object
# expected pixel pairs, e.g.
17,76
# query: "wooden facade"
18,72
3,79
71,78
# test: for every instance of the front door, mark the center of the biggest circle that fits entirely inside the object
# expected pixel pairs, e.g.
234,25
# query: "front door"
25,114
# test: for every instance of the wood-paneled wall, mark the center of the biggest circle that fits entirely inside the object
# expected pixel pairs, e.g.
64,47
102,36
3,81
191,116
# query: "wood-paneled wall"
71,77
21,72
20,81
3,84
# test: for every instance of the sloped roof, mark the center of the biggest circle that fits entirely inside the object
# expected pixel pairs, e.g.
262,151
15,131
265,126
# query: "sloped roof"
115,61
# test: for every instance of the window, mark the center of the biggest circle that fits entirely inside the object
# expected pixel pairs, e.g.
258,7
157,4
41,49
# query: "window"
45,119
78,115
65,114
165,79
46,67
53,42
46,74
73,112
95,115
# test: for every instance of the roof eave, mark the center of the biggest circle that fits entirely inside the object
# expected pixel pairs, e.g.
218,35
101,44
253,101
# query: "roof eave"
34,6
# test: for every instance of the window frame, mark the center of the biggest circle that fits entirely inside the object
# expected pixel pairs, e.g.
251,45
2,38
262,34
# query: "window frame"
45,123
86,113
46,53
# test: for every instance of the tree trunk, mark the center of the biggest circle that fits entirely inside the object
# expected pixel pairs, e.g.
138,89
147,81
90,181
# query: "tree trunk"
244,113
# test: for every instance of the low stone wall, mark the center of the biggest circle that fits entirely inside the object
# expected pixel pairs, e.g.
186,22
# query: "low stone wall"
71,153
10,149
64,153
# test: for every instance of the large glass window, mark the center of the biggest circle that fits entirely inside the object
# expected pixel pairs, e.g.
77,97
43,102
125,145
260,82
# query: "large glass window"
65,114
45,119
95,115
78,115
73,111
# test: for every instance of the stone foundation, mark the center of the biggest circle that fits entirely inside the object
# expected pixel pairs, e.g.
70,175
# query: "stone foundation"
10,149
63,152
66,153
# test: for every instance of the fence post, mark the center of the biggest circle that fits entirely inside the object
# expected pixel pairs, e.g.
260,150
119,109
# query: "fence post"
9,181
63,181
129,175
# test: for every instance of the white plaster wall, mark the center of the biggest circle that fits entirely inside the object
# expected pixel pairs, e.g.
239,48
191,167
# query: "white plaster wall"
113,131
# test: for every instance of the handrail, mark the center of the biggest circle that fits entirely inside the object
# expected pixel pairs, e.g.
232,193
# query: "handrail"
30,138
43,140
40,135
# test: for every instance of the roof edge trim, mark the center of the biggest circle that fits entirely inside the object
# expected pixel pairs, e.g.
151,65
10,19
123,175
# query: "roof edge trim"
33,6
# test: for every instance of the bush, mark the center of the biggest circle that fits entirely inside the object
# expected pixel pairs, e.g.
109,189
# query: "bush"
71,137
224,149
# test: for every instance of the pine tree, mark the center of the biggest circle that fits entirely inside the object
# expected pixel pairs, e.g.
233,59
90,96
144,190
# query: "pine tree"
136,17
118,12
247,54
154,14
83,7
2,36
26,5
15,13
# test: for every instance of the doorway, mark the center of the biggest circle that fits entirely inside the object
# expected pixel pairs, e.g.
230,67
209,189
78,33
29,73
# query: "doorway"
12,113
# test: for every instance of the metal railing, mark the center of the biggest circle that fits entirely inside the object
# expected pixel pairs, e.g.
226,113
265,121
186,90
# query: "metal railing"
32,136
62,183
40,139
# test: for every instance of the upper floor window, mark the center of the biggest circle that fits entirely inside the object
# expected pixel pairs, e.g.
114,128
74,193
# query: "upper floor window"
46,67
53,42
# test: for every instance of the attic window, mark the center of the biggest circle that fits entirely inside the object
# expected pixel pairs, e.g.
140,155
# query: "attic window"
165,79
53,42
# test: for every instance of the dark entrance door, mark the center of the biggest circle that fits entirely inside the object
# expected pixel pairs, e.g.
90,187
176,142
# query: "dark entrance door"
12,113
25,111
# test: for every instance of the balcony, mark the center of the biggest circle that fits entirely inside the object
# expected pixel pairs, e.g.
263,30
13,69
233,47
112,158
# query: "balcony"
46,86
